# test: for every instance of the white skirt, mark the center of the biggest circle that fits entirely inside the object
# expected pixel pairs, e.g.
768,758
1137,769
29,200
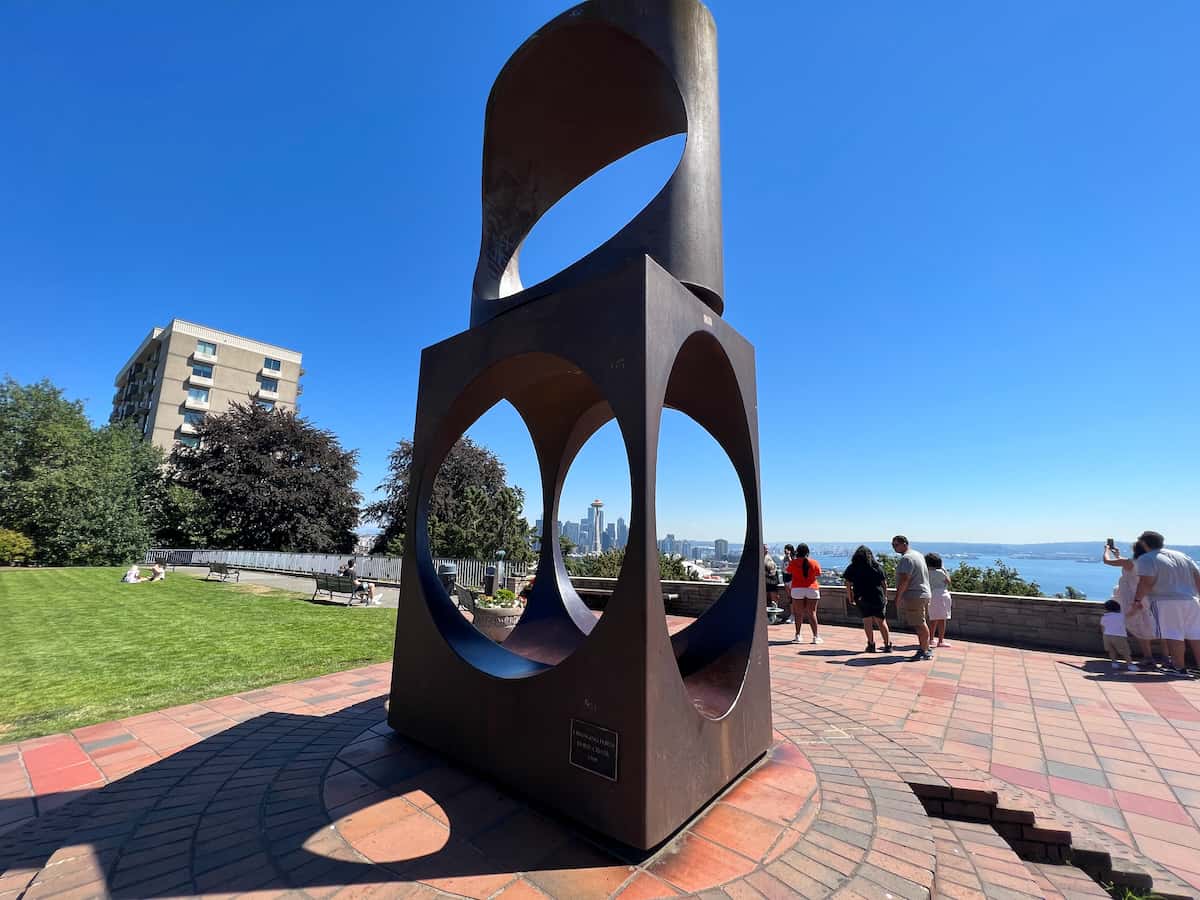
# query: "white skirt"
939,606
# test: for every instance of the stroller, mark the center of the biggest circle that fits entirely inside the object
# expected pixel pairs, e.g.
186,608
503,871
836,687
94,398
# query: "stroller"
776,615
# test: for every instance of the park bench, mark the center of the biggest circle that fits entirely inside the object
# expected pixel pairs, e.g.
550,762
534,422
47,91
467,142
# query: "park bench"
466,597
223,570
339,584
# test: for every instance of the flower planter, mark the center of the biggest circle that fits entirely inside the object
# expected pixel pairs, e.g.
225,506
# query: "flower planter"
497,622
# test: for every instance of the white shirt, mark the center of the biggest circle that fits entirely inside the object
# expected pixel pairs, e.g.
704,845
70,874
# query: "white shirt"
1113,624
1175,573
937,582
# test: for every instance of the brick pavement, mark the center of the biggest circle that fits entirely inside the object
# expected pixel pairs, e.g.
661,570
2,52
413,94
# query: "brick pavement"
300,790
1118,750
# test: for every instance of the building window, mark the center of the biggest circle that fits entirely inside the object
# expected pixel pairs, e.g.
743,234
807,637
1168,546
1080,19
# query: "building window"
272,364
268,384
207,348
193,418
200,394
190,441
202,370
268,405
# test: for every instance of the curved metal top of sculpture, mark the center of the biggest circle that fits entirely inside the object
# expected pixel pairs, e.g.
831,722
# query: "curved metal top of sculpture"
593,85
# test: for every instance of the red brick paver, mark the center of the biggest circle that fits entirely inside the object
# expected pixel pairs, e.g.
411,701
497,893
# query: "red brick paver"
301,789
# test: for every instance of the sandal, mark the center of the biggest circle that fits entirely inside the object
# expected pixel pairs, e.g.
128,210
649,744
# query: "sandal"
887,648
870,648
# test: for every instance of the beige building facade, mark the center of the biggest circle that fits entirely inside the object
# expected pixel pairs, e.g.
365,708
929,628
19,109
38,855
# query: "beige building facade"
185,371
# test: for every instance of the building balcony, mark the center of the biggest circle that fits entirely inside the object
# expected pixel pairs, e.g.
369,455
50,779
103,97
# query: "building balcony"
268,373
193,403
264,394
199,357
199,380
188,428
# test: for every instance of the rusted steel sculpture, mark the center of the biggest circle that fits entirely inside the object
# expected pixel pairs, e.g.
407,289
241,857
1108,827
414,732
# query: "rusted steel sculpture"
613,722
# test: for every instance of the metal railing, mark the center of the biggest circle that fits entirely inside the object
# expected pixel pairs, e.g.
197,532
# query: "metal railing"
377,568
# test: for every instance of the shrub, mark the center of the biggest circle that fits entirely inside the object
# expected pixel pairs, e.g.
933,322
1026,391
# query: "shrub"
14,547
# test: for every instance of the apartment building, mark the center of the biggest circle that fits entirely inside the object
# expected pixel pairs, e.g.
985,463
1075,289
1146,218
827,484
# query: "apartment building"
181,372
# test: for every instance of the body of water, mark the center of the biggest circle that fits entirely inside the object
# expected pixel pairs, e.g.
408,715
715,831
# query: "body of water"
1053,575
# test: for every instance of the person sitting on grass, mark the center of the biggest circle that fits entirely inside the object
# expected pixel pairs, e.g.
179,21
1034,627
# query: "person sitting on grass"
159,570
1116,641
132,575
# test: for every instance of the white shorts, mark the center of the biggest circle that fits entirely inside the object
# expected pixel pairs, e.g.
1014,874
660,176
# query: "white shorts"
806,594
1178,619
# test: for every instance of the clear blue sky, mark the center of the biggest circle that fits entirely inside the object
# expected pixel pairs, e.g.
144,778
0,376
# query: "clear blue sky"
965,239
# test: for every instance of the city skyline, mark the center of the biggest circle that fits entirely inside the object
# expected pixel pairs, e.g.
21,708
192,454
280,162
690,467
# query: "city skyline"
972,250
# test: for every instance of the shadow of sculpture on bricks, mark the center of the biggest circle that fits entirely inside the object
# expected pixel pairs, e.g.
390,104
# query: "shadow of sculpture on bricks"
613,722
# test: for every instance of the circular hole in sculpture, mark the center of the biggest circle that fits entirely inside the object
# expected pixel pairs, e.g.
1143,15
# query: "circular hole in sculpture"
479,519
516,615
594,515
704,500
701,511
597,209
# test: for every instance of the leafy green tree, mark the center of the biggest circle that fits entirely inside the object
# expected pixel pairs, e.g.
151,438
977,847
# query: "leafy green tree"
78,493
178,516
672,568
14,547
1000,579
267,480
608,565
473,512
889,567
566,545
1071,593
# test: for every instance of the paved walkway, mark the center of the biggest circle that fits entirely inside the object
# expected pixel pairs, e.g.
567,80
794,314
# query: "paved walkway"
386,595
300,790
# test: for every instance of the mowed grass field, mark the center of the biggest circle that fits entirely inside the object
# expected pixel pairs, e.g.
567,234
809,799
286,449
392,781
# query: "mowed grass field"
77,646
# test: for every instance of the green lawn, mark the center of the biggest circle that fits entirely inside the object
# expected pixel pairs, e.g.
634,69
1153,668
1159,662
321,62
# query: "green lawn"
78,647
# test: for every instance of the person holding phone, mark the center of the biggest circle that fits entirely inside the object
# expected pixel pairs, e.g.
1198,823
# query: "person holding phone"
1139,621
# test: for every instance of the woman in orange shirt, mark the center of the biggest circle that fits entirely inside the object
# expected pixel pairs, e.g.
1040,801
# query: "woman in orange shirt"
806,592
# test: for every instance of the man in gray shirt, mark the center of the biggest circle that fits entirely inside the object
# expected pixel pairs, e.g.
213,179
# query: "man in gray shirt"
1169,582
913,593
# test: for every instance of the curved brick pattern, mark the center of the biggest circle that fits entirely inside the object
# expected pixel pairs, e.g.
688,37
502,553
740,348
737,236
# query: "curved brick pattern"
301,790
425,821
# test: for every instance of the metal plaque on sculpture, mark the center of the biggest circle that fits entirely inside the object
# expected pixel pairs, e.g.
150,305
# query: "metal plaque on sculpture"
594,748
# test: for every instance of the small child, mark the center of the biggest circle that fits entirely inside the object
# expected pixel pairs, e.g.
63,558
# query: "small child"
939,600
1116,641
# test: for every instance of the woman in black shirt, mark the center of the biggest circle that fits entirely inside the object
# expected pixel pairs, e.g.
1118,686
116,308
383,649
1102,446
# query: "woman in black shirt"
866,584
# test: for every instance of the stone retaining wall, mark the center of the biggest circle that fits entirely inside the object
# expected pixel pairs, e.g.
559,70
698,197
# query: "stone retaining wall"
1072,625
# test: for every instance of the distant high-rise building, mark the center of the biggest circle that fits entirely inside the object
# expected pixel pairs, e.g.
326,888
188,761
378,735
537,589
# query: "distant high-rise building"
180,373
720,550
610,537
685,549
622,533
597,524
672,548
571,532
